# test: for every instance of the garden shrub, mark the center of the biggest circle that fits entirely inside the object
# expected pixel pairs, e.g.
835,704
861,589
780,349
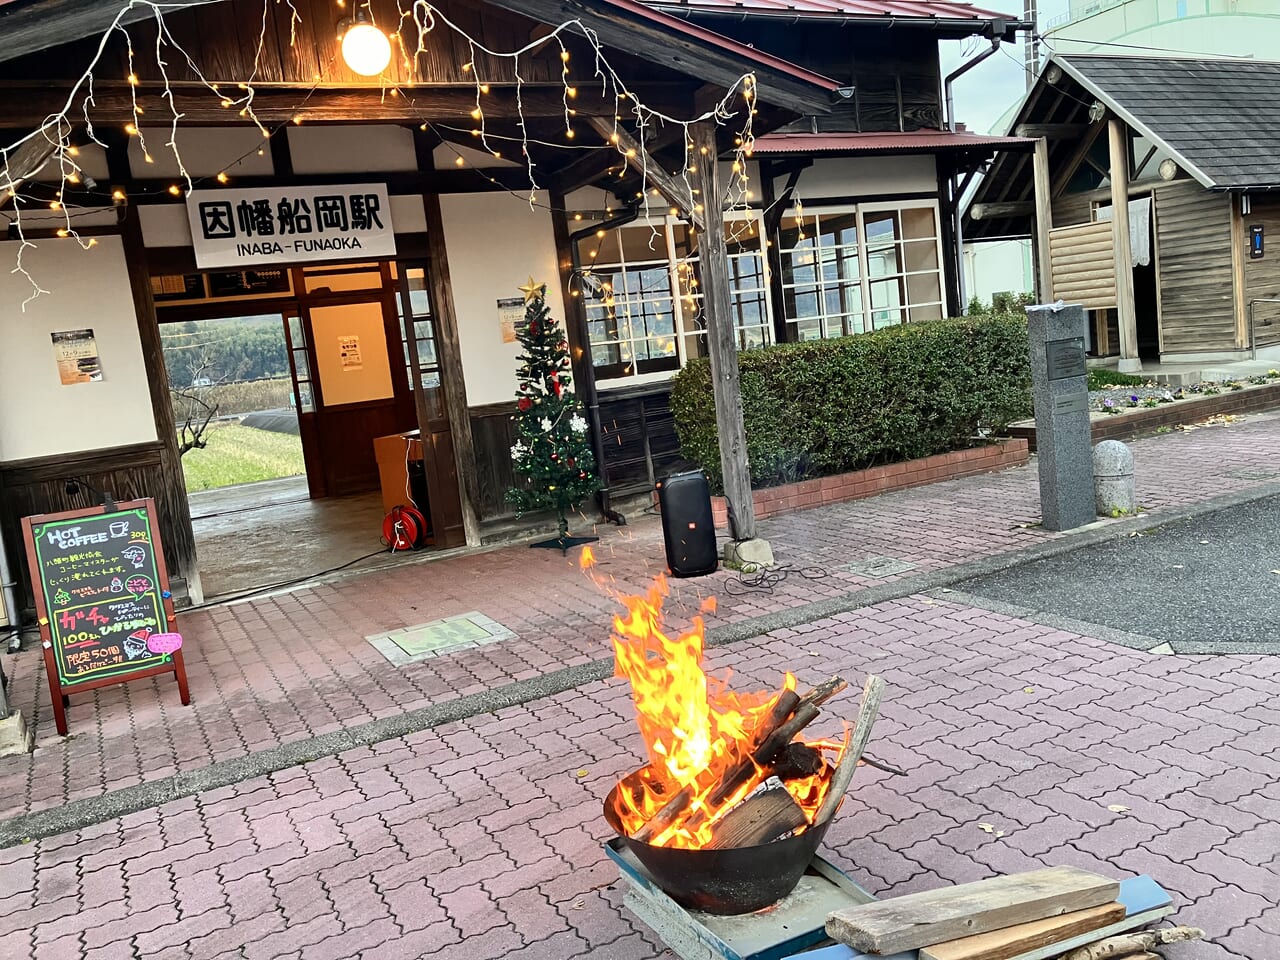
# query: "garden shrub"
829,406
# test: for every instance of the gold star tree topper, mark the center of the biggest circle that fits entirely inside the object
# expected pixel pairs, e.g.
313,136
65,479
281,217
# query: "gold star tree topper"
532,290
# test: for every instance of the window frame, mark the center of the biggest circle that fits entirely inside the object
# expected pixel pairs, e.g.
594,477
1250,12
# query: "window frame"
687,322
861,212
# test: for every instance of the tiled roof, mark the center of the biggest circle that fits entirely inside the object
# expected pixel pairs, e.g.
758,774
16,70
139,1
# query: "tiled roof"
1219,118
909,9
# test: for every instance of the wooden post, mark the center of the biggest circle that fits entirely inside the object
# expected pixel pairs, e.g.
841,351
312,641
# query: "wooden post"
450,351
170,492
1044,223
722,338
1125,307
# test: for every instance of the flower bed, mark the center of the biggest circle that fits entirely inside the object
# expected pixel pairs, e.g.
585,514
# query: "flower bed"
1127,418
860,484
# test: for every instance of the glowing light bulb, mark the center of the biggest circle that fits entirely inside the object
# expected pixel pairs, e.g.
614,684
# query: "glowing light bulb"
222,177
174,189
366,49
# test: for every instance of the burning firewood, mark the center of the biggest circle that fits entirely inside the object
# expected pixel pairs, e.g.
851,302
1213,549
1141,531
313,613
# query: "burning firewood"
768,813
773,749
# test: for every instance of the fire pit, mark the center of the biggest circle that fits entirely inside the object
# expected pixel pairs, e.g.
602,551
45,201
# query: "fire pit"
730,810
723,881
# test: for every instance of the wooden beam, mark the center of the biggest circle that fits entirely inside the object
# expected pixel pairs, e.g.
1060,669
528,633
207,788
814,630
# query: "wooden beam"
1025,937
676,191
28,105
1044,223
1051,131
692,51
1001,211
722,342
34,27
1126,307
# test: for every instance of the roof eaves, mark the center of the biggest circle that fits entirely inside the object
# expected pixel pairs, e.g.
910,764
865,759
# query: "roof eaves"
1129,117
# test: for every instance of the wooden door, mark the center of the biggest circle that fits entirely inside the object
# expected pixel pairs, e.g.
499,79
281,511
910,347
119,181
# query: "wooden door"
349,319
422,366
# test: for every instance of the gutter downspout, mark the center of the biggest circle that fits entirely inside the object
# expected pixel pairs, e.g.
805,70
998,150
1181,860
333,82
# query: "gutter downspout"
957,213
590,395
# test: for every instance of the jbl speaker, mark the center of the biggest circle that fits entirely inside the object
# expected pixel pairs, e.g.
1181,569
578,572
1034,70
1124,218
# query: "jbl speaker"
687,525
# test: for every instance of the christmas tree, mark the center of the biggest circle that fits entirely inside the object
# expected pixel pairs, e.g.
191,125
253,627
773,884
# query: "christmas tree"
552,453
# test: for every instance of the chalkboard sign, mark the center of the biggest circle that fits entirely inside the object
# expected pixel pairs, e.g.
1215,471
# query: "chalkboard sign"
102,595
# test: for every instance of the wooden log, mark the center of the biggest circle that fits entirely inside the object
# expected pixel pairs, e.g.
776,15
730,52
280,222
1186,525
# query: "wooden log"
1115,948
766,814
921,919
797,761
1011,941
872,693
770,740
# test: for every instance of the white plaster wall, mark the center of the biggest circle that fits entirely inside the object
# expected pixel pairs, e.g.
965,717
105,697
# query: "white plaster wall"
205,152
39,416
854,177
495,242
351,148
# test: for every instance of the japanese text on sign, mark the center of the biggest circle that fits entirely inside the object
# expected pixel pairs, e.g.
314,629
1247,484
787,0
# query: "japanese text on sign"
233,228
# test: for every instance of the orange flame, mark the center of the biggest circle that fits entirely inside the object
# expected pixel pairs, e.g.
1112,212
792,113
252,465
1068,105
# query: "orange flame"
695,727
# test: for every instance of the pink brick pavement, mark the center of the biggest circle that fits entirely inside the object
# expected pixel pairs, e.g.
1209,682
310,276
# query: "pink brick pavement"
286,668
482,838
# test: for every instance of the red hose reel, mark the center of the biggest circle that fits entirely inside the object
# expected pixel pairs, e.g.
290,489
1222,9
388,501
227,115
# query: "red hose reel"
405,528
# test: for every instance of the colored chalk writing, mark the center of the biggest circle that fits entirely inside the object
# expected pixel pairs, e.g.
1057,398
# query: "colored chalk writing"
102,591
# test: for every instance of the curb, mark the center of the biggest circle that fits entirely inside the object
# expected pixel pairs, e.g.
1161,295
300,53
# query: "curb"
80,814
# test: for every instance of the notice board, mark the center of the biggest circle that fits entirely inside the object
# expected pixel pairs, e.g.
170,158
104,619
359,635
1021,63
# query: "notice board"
102,598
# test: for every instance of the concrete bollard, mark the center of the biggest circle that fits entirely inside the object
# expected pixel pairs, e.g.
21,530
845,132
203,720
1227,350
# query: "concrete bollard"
1113,483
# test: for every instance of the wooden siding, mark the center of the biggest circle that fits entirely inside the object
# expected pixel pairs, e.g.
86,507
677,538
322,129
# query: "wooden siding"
31,487
638,435
1193,243
1072,209
1262,277
1084,267
494,435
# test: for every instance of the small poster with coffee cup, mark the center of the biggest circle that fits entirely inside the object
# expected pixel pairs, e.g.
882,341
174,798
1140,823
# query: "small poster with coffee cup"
76,353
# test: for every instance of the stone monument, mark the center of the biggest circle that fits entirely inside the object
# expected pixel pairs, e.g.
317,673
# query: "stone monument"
1060,385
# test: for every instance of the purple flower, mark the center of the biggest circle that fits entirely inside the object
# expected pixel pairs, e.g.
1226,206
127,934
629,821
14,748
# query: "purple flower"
1108,403
1133,397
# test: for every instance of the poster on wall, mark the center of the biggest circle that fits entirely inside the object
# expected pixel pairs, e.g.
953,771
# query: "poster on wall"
76,353
511,317
349,352
243,228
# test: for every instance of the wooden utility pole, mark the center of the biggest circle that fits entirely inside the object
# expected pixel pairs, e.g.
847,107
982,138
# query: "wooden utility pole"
1125,306
722,337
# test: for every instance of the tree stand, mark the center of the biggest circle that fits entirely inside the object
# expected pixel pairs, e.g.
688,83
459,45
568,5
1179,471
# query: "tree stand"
562,541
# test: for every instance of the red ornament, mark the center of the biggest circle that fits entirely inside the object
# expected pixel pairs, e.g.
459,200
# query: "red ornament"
533,327
524,403
555,383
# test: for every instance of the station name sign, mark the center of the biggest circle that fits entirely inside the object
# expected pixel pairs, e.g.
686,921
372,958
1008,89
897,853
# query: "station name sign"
245,228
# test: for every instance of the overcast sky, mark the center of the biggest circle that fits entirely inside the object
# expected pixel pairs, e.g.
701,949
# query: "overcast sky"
984,94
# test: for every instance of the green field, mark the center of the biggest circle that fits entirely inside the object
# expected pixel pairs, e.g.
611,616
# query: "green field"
237,454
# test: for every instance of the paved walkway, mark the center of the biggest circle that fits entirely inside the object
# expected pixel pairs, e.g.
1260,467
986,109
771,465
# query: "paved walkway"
480,836
287,668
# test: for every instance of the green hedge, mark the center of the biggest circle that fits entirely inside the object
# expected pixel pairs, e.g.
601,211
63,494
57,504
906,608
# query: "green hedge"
830,406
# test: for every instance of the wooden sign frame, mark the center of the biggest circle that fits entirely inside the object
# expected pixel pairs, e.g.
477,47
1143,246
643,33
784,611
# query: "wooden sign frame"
59,693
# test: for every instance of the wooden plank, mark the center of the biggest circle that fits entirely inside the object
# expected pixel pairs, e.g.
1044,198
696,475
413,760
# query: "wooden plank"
997,211
1144,901
722,340
768,813
1051,131
1011,941
921,919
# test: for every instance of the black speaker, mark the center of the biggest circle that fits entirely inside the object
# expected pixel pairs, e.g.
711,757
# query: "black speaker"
417,470
687,526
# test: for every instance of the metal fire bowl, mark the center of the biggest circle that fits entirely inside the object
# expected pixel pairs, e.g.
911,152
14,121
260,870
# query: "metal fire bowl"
730,881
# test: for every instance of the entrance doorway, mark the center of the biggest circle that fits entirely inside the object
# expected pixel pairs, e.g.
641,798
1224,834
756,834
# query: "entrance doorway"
355,365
